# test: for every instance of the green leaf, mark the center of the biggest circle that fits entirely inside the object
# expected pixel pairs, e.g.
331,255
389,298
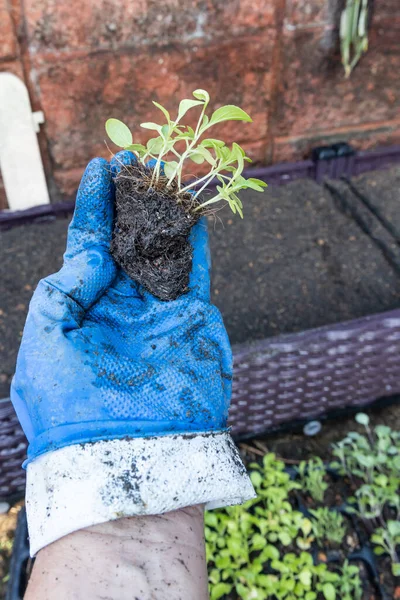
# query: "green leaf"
306,526
222,562
204,153
229,113
152,126
118,133
197,158
284,538
154,145
329,591
186,105
257,182
362,419
202,95
164,110
211,143
169,168
211,519
219,590
396,569
394,528
165,131
256,478
365,460
258,542
305,577
379,551
214,576
137,148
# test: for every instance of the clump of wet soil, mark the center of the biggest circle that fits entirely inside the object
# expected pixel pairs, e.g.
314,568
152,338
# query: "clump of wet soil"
151,232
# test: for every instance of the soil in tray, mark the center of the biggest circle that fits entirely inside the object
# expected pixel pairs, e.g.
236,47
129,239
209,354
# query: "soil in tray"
369,591
389,583
151,233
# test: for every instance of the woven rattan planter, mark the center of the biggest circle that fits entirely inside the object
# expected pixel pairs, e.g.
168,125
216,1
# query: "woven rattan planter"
278,381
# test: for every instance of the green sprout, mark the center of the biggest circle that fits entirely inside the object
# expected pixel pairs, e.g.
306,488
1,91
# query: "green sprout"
328,525
367,456
353,33
176,143
386,541
312,474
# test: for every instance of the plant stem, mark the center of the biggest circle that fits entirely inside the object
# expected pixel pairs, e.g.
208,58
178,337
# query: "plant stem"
178,169
190,186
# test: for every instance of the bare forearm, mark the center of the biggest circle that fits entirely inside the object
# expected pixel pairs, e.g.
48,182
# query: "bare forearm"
143,558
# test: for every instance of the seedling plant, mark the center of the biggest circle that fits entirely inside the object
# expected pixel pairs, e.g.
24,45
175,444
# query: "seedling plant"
184,143
312,474
156,208
269,549
386,541
328,526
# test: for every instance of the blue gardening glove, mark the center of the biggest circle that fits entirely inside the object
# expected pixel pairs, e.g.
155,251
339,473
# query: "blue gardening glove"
101,359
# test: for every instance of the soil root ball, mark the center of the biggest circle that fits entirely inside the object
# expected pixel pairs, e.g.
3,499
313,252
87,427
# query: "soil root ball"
151,233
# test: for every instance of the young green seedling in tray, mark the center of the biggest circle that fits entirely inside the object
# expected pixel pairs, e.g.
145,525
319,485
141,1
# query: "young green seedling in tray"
156,209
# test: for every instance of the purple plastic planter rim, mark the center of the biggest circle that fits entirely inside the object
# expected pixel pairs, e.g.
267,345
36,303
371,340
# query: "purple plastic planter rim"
278,174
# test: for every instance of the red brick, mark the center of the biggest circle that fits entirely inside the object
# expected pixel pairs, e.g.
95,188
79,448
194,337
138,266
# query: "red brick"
95,24
305,12
314,94
12,66
386,9
8,41
79,95
292,149
67,181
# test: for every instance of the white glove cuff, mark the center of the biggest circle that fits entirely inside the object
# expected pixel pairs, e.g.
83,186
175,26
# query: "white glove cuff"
86,484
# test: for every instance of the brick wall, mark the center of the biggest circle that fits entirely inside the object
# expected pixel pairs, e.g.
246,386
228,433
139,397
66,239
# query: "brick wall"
278,59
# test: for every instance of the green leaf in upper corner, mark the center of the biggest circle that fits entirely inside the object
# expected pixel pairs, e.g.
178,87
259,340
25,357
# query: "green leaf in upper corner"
164,110
118,133
362,419
186,105
202,95
170,167
152,126
229,113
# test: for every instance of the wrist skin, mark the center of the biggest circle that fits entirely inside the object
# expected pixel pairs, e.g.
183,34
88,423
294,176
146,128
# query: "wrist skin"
159,557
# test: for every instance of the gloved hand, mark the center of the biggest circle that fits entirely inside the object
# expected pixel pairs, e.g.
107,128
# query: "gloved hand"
101,359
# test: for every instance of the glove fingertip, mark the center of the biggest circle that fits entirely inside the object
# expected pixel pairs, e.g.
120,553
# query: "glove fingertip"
122,159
